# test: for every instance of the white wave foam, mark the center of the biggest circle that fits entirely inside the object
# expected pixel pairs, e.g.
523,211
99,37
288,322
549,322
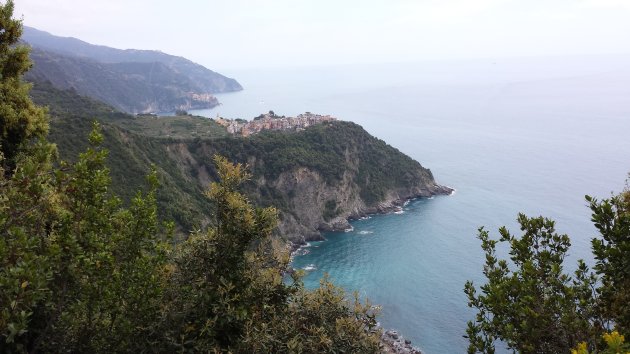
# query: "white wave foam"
310,267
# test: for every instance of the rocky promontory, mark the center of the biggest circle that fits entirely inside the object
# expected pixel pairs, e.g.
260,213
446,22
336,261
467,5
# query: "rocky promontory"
319,178
311,199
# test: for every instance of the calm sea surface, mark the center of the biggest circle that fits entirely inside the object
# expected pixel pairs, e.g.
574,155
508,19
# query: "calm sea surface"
521,135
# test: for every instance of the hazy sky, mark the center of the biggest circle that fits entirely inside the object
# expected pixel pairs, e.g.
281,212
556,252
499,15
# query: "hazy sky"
254,33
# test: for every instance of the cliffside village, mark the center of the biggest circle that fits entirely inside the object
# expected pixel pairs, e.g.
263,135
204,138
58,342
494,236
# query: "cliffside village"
270,121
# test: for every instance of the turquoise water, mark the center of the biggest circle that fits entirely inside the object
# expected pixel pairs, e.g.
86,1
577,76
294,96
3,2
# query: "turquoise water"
527,135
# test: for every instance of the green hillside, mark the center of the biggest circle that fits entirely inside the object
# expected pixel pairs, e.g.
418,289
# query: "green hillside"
348,172
130,155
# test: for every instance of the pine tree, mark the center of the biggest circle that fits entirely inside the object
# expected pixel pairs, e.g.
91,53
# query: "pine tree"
529,302
20,120
612,253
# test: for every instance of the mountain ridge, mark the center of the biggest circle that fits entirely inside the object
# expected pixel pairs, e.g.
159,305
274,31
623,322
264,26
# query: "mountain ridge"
131,80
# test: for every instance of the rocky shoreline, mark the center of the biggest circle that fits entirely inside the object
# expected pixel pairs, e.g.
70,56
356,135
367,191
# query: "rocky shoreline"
342,223
393,342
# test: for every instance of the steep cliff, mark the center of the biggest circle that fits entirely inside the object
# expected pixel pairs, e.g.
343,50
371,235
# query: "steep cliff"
318,178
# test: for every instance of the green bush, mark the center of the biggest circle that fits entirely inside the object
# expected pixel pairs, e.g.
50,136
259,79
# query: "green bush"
534,307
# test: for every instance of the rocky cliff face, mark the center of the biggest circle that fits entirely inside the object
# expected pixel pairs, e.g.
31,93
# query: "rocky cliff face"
312,199
358,175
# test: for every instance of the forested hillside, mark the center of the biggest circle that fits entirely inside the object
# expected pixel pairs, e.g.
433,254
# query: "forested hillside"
317,178
130,155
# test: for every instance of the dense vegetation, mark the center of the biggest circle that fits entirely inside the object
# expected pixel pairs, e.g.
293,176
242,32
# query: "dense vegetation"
532,306
180,127
20,119
81,272
130,155
325,148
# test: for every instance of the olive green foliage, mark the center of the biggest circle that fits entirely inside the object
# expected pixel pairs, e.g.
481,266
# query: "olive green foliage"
612,253
130,155
27,199
530,303
331,149
178,127
78,271
20,120
330,209
227,290
331,323
213,290
532,306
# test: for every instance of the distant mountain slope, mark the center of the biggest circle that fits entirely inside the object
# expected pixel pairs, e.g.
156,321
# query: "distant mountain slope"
129,87
131,80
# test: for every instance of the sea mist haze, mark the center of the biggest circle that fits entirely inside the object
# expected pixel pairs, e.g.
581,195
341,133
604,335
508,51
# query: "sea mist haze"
531,135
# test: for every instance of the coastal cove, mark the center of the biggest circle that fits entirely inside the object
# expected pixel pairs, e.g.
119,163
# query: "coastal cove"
531,135
386,278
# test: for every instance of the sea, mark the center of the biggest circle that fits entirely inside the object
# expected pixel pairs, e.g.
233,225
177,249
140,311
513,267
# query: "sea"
531,135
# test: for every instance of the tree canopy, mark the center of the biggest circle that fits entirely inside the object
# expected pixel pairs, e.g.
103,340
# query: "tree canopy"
611,217
531,305
20,120
81,273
